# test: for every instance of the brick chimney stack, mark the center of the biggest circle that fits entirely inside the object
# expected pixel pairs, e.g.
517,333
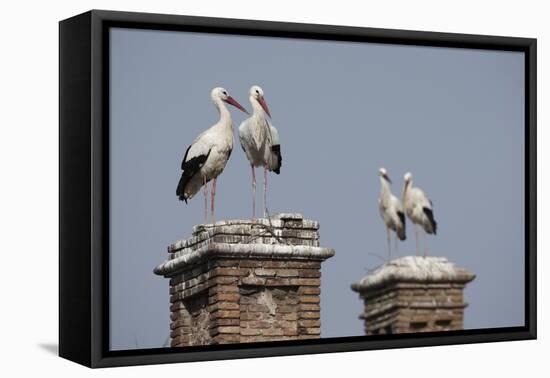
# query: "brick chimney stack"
413,294
246,281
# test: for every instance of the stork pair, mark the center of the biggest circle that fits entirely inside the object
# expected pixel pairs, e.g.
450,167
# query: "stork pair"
418,208
206,158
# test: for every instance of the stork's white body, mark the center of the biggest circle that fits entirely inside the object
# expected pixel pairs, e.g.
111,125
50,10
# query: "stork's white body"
260,142
257,137
390,207
216,143
415,204
418,208
390,210
206,158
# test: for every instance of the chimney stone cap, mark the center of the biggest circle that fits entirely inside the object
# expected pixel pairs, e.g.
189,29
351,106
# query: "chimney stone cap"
283,236
204,232
414,269
172,267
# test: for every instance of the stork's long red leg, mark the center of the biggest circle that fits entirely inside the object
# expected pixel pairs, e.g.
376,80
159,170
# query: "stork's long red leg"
265,191
253,191
425,244
396,244
205,190
416,234
213,198
389,242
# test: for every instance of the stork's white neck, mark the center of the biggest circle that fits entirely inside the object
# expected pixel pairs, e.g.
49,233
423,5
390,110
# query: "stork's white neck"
384,186
225,116
407,187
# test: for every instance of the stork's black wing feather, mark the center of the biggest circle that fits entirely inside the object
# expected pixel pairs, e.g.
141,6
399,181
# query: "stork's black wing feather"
429,213
190,169
401,231
401,216
276,149
185,157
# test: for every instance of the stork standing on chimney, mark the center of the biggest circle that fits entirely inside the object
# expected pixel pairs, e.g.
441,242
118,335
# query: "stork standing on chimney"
206,157
260,142
391,210
419,209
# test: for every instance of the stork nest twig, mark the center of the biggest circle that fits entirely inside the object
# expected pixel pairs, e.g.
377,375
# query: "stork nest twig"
268,230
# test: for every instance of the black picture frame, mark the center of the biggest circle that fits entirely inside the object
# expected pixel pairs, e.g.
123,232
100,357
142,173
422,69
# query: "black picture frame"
84,194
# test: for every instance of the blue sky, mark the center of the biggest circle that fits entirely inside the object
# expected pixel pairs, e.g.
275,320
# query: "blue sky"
453,117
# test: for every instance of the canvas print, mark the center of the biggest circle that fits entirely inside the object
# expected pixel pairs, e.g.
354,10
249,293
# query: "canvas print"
270,190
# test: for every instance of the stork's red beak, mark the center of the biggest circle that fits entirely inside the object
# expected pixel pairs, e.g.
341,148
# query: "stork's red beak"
264,105
232,101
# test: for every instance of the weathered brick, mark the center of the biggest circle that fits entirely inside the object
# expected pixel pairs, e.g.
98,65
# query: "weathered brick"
309,315
290,316
223,289
225,263
304,264
309,323
309,290
286,309
262,272
287,273
250,264
272,332
230,297
224,280
228,314
290,331
305,337
178,306
180,331
310,273
310,331
310,299
259,324
305,281
274,264
226,271
253,281
227,322
229,329
277,282
257,307
227,338
227,306
250,331
309,307
180,323
179,341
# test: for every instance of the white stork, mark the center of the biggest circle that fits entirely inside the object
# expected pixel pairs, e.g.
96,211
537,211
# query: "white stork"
418,208
207,156
391,210
260,142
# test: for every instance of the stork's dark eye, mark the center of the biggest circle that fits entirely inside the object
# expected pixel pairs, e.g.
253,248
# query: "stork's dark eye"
224,93
257,91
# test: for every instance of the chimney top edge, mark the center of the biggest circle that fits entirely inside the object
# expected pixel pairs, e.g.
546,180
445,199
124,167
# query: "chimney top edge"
431,269
174,266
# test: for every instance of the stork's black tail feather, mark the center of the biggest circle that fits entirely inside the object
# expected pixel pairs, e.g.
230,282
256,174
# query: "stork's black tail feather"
429,213
401,230
277,151
184,179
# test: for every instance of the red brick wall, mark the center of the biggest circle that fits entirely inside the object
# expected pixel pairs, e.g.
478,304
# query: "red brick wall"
237,300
